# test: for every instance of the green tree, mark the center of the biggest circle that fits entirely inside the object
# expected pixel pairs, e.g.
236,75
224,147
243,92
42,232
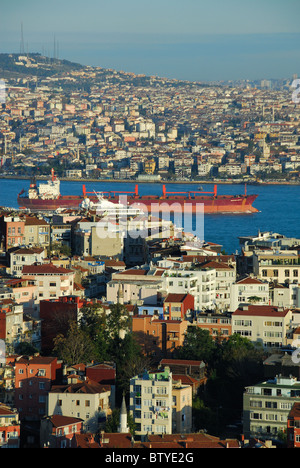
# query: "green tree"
117,320
75,347
198,345
113,421
93,323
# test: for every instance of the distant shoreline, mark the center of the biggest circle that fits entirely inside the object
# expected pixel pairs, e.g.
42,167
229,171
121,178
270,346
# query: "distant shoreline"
200,182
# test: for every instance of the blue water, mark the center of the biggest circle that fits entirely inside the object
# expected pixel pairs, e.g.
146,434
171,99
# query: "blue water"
278,207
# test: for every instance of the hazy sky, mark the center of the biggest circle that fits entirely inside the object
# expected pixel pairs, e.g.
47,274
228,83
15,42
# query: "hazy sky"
187,39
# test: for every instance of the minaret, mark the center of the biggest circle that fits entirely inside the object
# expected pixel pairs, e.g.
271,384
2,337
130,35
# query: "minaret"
123,428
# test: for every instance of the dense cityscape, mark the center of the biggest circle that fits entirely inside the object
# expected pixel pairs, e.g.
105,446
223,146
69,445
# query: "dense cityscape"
158,340
103,124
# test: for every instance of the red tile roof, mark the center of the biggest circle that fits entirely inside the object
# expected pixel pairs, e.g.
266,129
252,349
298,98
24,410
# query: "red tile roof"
261,310
45,269
60,421
250,280
174,297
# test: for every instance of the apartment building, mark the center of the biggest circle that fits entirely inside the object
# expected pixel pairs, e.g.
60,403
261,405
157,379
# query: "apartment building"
281,266
247,290
34,377
293,427
15,327
52,282
217,324
159,405
36,232
134,286
264,325
267,405
87,400
25,256
9,427
11,230
59,431
182,395
200,283
158,338
178,306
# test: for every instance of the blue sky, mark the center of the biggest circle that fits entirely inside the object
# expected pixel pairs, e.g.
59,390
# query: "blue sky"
190,39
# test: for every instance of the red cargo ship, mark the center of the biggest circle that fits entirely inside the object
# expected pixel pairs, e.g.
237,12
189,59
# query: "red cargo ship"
47,197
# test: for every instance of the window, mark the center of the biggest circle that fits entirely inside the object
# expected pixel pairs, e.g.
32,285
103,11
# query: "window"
271,404
161,390
87,403
147,428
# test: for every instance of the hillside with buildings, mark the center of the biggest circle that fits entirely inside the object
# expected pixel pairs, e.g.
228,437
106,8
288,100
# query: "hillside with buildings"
114,125
153,340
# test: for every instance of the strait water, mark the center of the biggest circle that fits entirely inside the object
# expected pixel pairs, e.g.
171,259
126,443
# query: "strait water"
278,207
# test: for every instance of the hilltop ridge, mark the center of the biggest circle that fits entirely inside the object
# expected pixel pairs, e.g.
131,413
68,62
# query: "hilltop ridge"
34,64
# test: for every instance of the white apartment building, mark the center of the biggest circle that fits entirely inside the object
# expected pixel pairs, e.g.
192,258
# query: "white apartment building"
264,325
51,281
25,256
266,406
199,283
249,290
151,402
87,400
159,405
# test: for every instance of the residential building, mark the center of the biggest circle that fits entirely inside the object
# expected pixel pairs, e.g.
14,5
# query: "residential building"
87,400
199,282
266,406
58,431
151,402
178,306
225,277
293,427
182,395
218,324
12,228
264,325
282,266
36,232
9,427
34,376
249,290
25,256
134,286
52,282
158,338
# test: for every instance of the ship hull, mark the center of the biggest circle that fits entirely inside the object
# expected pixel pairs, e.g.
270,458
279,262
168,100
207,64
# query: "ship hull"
153,204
